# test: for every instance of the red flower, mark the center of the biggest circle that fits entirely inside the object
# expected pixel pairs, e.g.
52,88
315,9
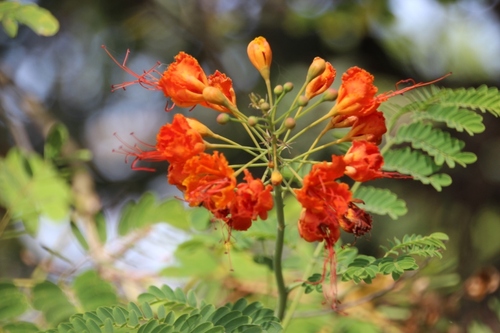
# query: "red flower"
324,198
321,82
252,200
364,162
184,81
209,181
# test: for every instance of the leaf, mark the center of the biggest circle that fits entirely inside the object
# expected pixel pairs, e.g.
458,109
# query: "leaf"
441,145
56,138
381,201
416,164
40,20
13,303
148,211
454,117
52,302
485,99
94,292
32,187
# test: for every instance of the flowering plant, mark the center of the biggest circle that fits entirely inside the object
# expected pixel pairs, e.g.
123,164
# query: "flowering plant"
281,196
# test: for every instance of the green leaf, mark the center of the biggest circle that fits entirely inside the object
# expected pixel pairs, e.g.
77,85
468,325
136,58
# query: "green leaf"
56,138
381,201
416,164
40,20
52,302
437,143
94,292
32,187
147,211
485,99
13,303
454,117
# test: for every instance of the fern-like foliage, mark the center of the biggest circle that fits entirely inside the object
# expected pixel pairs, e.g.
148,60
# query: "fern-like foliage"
398,259
432,147
381,202
163,310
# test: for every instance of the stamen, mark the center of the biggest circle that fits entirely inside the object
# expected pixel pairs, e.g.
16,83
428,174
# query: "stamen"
137,153
146,80
385,96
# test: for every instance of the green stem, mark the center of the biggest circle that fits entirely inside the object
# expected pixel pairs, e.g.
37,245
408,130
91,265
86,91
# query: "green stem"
300,292
278,253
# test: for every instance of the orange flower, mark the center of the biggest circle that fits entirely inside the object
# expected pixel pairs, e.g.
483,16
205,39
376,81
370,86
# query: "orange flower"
252,200
370,128
225,85
209,181
184,81
178,141
260,55
321,82
356,95
364,162
175,143
325,198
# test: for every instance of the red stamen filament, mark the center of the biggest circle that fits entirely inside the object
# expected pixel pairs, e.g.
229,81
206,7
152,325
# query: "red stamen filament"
146,80
385,96
138,154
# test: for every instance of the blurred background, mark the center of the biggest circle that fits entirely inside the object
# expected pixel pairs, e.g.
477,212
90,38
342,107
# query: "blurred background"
68,76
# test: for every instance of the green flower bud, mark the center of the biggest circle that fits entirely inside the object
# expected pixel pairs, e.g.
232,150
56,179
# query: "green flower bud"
290,123
278,90
287,87
223,118
265,106
330,95
252,121
302,101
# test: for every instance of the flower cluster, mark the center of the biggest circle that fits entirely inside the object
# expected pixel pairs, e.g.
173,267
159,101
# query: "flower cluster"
208,180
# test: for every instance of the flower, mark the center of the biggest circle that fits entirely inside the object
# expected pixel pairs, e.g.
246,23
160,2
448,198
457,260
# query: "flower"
370,128
363,162
356,221
184,81
209,181
225,85
260,55
324,200
177,142
356,95
252,199
321,82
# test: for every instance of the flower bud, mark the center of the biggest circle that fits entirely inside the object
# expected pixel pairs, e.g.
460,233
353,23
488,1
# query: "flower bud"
252,121
287,87
290,123
317,68
223,118
321,82
199,127
302,101
215,96
265,106
276,178
330,95
278,90
260,55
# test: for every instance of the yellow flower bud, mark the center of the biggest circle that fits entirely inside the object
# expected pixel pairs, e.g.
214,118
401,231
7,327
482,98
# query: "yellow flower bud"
276,178
317,68
260,55
199,127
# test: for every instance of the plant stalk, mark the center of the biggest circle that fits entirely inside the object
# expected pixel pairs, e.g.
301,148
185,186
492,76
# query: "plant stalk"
278,252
